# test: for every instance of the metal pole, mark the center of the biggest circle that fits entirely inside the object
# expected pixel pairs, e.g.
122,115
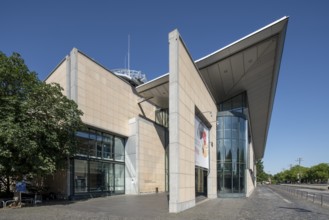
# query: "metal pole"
299,160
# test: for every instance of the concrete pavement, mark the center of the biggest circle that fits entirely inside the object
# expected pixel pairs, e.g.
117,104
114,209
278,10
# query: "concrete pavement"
265,203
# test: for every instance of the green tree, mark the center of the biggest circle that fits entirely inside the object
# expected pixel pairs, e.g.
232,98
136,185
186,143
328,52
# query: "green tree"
37,122
279,178
261,174
295,173
319,173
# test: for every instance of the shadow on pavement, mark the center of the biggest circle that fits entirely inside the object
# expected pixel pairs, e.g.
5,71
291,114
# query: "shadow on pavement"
296,209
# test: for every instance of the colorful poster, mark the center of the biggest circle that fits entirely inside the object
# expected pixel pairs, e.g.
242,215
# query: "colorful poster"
201,144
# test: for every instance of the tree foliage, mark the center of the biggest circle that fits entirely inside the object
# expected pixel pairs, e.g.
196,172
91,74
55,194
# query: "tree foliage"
319,173
315,174
37,122
262,176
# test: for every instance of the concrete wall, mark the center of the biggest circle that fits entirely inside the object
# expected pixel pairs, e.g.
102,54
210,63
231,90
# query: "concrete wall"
59,76
250,171
186,92
151,156
145,157
106,100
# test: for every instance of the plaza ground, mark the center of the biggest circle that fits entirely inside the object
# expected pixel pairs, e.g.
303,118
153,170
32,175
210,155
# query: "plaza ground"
265,203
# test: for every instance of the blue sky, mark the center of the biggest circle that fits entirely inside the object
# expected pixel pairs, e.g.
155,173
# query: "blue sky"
43,32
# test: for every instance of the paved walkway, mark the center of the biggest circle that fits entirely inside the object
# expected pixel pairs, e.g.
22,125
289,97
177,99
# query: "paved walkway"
265,203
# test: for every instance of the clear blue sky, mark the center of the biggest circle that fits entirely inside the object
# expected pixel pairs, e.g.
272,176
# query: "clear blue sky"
43,32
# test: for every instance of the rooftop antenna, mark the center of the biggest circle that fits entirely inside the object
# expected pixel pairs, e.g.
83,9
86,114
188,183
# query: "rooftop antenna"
129,54
134,77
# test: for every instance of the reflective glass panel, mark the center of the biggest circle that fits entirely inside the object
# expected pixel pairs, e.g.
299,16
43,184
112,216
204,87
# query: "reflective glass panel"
96,179
80,176
108,147
231,148
119,178
119,149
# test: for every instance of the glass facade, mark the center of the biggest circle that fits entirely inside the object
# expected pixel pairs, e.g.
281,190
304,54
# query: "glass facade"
232,142
162,117
99,163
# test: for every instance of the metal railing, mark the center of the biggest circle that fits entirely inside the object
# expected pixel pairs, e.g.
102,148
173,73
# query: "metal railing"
316,198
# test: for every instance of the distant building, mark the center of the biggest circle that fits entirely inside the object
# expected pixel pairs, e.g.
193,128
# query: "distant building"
197,130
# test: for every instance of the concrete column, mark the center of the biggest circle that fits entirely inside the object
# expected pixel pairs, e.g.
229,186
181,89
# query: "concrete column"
74,75
68,77
174,183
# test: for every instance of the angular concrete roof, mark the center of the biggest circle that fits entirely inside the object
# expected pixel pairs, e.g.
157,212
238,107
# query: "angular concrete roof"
250,64
156,91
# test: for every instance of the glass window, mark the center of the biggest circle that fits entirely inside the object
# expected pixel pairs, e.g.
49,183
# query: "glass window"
82,146
234,148
220,150
226,106
227,150
243,132
242,149
231,146
108,147
162,117
96,179
80,176
119,178
119,149
220,127
235,128
93,143
96,173
82,134
99,149
108,176
237,104
228,122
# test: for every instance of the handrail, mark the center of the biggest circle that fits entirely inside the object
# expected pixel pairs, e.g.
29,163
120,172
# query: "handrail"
316,198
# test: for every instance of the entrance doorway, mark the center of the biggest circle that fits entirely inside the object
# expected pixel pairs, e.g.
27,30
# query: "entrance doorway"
201,182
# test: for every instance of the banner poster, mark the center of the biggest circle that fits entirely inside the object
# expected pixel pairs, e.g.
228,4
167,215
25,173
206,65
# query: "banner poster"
201,144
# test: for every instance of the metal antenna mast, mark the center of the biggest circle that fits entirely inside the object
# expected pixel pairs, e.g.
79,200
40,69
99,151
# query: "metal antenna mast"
134,77
129,54
299,160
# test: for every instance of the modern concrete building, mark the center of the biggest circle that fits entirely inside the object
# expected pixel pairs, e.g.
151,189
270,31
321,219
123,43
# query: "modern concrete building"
195,131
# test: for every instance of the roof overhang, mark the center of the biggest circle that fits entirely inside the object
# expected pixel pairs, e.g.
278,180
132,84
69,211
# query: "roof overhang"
250,64
156,91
